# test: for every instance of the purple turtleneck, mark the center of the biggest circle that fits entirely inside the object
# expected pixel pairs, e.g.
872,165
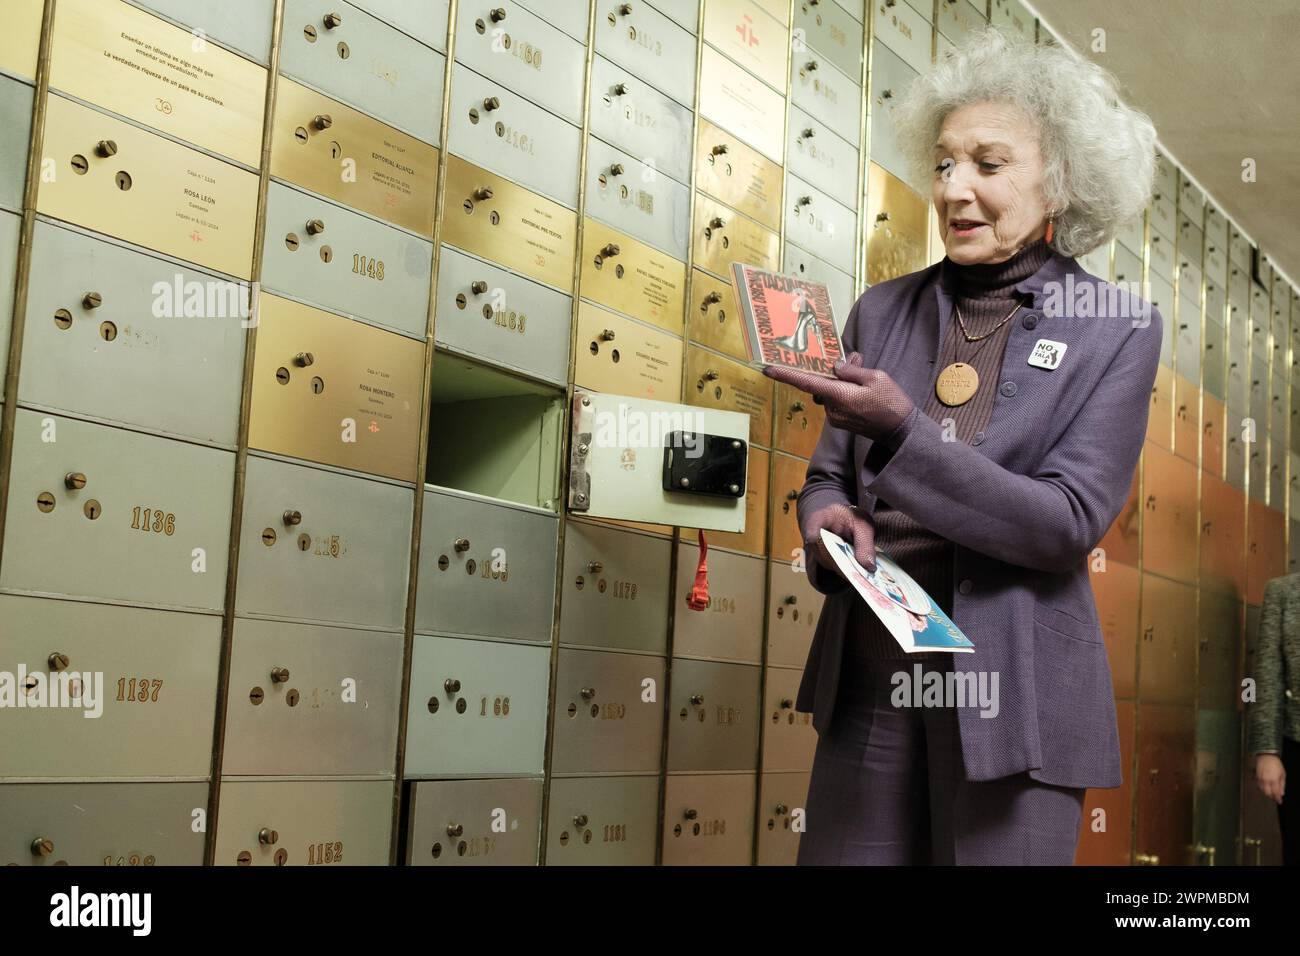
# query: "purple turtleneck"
985,294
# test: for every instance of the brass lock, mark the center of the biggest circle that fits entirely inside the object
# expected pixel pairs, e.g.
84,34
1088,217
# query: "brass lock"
42,846
478,287
607,335
595,567
58,661
580,820
74,481
92,300
279,675
292,518
786,703
697,699
497,15
712,298
690,813
315,227
267,837
791,599
719,150
483,193
621,89
462,544
323,121
455,829
451,685
303,359
782,809
492,103
808,133
587,693
105,148
810,65
332,20
610,250
717,222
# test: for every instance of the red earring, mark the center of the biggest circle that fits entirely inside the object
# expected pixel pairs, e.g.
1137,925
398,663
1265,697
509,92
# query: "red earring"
1050,231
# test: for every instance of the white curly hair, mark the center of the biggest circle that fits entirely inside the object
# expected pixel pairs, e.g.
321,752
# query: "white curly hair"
1098,153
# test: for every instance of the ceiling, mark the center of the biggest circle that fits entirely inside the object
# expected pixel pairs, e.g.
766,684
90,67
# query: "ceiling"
1219,79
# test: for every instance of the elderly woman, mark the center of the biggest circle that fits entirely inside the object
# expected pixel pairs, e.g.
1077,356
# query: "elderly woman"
984,434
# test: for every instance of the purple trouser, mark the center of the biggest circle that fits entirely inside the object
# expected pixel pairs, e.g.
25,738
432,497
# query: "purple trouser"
888,787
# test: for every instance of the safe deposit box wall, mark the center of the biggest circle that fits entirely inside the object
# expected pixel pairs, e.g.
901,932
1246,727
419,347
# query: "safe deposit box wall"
308,309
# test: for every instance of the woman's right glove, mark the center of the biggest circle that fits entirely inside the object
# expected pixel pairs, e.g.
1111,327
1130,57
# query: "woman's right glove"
851,525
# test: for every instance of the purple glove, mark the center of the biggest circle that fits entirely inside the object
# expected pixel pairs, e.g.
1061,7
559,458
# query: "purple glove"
861,400
851,525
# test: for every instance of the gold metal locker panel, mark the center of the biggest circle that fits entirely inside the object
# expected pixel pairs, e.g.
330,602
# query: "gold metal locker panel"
799,421
1265,549
609,712
631,277
335,391
793,606
789,739
1212,429
1166,749
895,225
115,178
713,717
730,628
343,154
102,824
709,819
617,355
1115,591
493,822
788,476
751,36
723,237
730,170
1168,645
118,56
738,101
1223,535
782,799
1169,513
603,821
493,218
304,823
712,316
1160,417
1220,644
20,41
713,381
1187,425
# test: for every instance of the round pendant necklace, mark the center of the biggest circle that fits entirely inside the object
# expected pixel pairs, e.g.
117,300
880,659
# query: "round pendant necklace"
958,381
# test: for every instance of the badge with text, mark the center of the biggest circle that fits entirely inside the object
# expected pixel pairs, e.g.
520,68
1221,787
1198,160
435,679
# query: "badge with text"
1047,354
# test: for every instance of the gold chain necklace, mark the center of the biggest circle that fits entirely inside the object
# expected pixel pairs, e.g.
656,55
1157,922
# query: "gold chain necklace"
958,381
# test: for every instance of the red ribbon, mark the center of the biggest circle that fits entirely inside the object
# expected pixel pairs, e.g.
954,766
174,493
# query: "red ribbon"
698,599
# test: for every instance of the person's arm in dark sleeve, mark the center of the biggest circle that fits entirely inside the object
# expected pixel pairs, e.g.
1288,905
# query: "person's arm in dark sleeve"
1264,731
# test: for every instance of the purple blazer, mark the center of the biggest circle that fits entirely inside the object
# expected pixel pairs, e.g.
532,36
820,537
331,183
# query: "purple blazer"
1024,503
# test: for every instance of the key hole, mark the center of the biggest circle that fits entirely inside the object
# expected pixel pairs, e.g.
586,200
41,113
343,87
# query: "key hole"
344,52
256,696
326,254
63,319
336,151
304,542
291,242
292,697
92,509
300,134
282,376
80,165
107,331
317,385
124,182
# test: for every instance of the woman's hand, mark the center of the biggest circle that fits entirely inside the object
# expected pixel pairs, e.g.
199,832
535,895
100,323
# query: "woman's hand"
861,400
1270,776
851,525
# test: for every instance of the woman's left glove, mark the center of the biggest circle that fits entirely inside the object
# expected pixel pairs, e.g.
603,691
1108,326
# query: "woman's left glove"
866,401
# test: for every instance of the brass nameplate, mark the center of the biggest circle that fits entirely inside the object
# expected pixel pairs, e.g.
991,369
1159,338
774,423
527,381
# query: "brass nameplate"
20,39
621,357
895,224
712,317
753,539
730,170
492,217
126,60
750,35
716,382
738,101
632,277
116,178
335,391
723,236
345,155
